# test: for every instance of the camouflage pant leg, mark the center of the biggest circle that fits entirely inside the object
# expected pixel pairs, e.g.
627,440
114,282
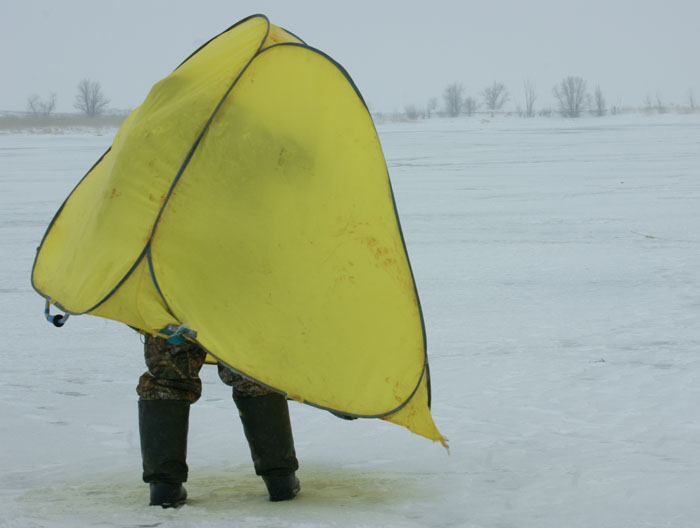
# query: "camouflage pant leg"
173,370
242,387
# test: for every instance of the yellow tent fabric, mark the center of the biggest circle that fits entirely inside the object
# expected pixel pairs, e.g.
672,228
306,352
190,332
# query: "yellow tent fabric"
248,198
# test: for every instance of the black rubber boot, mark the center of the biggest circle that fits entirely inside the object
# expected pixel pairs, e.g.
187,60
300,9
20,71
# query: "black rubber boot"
282,488
163,426
167,495
269,433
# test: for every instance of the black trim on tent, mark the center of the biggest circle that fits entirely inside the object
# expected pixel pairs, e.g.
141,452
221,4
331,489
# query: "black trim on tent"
393,200
295,36
424,373
191,152
149,260
53,221
327,57
55,217
258,15
147,249
426,370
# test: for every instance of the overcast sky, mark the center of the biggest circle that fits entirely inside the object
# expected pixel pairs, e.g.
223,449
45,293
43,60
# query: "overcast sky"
398,52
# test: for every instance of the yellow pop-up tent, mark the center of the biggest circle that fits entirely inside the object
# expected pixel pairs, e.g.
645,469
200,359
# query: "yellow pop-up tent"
247,200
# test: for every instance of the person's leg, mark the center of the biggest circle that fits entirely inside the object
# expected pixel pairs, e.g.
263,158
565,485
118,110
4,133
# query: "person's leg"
265,417
165,392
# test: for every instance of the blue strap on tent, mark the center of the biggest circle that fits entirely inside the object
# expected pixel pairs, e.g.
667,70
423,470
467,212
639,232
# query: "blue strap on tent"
57,320
177,334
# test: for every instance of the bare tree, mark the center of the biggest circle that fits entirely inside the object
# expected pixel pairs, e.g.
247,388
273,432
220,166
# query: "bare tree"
469,105
660,106
50,104
36,106
599,102
90,100
691,100
571,94
530,98
495,96
453,99
431,106
411,112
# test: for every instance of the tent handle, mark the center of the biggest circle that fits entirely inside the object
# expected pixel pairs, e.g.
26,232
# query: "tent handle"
57,320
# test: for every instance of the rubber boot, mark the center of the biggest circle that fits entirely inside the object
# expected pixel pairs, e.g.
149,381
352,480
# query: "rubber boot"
269,433
163,426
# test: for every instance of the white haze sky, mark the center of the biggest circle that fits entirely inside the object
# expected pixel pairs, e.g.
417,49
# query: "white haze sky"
398,52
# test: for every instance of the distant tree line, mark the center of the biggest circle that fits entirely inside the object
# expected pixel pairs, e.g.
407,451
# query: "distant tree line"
89,100
571,96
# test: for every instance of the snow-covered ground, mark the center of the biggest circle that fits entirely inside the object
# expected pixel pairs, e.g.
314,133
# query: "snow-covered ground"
558,264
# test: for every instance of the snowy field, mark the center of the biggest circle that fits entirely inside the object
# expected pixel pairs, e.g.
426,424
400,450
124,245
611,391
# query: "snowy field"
558,264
